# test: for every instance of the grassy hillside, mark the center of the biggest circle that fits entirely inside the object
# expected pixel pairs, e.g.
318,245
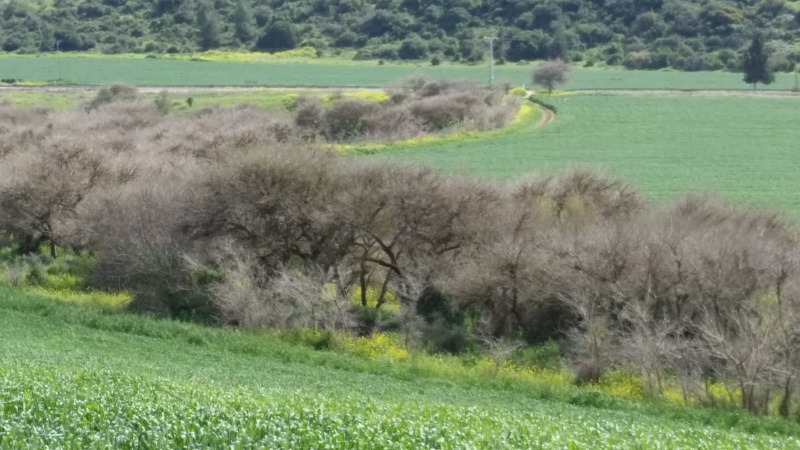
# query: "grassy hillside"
78,377
88,70
740,147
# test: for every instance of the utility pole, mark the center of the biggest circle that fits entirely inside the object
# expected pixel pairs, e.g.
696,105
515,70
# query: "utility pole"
58,56
490,41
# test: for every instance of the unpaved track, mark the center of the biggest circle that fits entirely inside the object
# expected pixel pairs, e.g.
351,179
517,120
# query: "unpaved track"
548,116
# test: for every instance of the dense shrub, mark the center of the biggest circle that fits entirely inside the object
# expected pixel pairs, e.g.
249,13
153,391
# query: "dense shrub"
413,49
116,92
344,121
280,35
419,107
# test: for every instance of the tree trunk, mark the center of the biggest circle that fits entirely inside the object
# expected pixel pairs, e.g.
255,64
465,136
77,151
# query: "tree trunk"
362,278
52,249
783,410
384,289
28,244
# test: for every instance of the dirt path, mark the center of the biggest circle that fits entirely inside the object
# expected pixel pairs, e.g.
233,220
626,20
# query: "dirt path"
548,116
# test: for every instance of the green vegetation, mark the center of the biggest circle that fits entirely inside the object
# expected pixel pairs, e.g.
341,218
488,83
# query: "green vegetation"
689,35
140,71
756,63
81,377
668,145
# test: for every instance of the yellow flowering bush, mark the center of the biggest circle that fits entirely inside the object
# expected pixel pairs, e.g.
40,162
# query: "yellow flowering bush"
378,345
622,383
373,293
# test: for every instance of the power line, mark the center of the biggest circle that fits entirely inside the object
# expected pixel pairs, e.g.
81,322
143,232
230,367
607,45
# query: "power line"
58,56
490,40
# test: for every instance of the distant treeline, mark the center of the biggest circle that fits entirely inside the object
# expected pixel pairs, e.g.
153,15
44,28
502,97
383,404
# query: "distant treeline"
645,34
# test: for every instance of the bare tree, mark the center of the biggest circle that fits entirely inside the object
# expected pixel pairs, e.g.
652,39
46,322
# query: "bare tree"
504,273
40,192
316,305
592,338
500,348
551,73
410,291
653,345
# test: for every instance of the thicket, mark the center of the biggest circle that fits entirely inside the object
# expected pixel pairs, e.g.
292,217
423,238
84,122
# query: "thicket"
419,106
652,34
226,218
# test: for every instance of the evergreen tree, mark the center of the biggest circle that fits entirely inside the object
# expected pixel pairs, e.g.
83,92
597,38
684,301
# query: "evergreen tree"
208,28
244,23
756,63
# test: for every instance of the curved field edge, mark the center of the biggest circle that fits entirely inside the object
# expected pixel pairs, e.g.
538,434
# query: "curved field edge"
739,146
527,116
64,366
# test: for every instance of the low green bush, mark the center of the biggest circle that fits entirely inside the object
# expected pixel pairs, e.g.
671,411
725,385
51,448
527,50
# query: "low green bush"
544,104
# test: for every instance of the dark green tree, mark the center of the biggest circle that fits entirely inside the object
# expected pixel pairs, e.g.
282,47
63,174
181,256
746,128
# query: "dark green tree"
209,29
244,23
755,63
413,48
278,36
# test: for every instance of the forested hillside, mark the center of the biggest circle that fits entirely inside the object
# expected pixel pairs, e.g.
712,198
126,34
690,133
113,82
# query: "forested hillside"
641,34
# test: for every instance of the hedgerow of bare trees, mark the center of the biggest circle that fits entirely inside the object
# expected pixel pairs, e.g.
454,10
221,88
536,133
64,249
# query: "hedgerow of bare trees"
418,106
228,218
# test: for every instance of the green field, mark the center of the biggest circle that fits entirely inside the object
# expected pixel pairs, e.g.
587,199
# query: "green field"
78,377
162,72
742,147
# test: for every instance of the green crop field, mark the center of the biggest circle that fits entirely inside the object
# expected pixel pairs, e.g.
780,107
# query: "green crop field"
744,148
78,377
163,72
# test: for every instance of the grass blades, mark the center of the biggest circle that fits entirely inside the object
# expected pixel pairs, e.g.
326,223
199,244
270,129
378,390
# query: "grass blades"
81,377
741,147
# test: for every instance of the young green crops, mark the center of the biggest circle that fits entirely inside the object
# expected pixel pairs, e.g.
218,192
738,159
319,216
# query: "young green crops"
78,377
